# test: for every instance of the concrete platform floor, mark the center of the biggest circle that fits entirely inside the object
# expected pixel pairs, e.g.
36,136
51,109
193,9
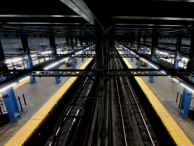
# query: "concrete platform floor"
166,92
36,95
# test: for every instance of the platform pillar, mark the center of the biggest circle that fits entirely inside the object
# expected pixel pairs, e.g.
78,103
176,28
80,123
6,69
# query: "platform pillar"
57,78
10,101
54,54
153,53
151,78
191,79
131,57
185,103
87,52
144,51
138,43
73,62
27,57
138,63
30,66
71,44
124,50
82,56
175,66
3,65
91,50
67,40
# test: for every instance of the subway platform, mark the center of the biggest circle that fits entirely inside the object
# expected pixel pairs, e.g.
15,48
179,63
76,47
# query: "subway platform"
36,96
166,92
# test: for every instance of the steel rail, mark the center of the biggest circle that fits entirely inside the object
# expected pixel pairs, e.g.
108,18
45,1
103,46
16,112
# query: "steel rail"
120,109
140,112
133,95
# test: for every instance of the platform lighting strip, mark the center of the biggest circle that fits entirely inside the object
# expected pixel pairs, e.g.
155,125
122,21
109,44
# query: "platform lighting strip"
56,63
8,61
174,79
27,77
7,87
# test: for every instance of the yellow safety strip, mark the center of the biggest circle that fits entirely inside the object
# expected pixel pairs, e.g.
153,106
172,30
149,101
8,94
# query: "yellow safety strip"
172,127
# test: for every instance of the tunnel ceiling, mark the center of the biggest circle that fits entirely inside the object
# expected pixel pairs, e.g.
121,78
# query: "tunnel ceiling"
77,17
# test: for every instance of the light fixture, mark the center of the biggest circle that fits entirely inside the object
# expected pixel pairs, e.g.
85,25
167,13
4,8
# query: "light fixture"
14,60
163,72
79,52
46,52
52,65
24,79
7,87
185,59
188,88
174,79
64,59
33,55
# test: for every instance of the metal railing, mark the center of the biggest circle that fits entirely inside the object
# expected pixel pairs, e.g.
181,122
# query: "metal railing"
21,103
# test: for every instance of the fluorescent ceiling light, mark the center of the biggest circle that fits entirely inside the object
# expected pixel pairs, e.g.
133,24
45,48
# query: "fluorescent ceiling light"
64,59
25,78
174,79
185,59
188,88
46,52
33,55
7,87
163,72
8,61
79,52
52,65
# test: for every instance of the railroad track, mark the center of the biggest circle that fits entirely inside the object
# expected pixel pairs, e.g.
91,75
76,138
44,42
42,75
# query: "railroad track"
68,123
130,125
121,122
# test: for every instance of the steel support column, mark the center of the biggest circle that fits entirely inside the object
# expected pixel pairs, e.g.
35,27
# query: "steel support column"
185,103
90,49
11,104
76,41
71,43
177,52
190,65
138,49
81,41
82,56
28,58
73,62
144,49
98,48
54,54
138,43
153,53
144,40
131,57
132,43
86,40
138,63
67,40
3,66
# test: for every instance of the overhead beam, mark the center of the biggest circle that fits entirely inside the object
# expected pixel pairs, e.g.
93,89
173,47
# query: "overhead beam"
80,7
